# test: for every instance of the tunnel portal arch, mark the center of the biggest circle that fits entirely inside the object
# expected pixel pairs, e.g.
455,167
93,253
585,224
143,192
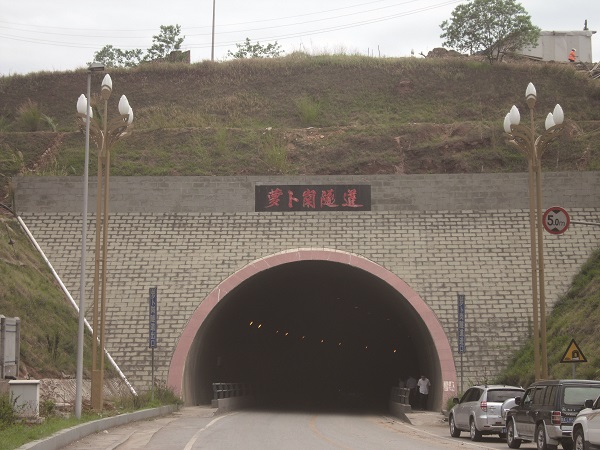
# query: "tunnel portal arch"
273,319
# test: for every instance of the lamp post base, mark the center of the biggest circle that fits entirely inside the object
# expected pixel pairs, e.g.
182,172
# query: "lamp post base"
97,390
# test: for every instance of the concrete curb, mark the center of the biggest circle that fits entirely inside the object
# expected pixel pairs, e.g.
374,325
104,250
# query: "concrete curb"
65,437
399,411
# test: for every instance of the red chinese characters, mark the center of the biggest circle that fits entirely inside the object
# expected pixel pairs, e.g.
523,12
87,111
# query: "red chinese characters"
309,198
273,197
291,199
328,199
313,198
350,199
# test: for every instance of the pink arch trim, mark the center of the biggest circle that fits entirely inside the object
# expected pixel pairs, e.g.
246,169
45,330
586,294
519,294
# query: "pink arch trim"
442,345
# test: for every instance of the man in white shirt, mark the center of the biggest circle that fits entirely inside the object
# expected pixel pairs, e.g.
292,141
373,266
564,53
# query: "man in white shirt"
423,385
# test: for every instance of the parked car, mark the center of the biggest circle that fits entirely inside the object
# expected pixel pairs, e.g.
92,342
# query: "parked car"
508,404
479,410
586,428
546,412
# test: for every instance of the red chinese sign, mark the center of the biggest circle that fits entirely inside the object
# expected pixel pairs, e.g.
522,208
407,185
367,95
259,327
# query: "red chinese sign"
313,198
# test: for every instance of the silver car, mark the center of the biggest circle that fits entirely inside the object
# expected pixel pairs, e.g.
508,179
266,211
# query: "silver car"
479,410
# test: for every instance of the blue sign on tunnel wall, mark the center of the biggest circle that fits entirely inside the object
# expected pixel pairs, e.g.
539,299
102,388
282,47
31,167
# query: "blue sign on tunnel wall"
153,329
461,323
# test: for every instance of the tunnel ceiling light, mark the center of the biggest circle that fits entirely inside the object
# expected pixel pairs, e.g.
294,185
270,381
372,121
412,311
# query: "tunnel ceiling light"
251,322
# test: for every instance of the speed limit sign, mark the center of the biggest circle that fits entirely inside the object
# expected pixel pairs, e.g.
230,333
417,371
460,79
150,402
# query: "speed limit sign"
556,220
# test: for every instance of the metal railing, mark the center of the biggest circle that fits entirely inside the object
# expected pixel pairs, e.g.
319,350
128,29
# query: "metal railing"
227,390
400,395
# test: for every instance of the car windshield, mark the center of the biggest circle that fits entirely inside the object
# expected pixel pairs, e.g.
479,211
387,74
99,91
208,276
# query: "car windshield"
500,395
577,395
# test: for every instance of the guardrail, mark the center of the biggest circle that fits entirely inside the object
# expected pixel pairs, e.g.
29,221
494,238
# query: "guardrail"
400,395
228,390
399,403
232,396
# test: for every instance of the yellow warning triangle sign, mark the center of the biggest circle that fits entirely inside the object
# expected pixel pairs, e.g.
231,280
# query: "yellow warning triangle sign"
573,354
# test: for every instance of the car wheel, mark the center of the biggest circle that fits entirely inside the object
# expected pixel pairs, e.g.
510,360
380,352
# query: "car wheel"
510,436
540,439
475,433
454,432
579,440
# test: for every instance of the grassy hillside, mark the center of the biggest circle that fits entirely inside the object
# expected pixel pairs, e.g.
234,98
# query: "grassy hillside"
28,291
302,115
575,316
294,115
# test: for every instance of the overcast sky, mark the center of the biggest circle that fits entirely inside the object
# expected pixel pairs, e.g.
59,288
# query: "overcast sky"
60,35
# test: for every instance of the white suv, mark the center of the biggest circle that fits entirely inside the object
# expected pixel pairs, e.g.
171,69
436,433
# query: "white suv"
479,410
586,428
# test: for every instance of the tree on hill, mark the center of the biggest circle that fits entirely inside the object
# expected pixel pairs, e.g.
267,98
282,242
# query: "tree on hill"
115,57
163,44
490,27
250,50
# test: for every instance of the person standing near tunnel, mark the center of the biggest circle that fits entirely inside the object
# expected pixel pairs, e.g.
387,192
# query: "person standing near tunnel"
423,385
411,384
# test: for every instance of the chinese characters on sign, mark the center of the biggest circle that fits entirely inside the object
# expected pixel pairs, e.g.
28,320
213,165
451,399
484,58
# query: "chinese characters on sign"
313,198
153,318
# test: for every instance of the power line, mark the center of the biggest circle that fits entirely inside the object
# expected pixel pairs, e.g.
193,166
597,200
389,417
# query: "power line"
333,28
286,36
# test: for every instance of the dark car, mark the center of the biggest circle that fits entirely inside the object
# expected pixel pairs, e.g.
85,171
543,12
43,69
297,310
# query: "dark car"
546,412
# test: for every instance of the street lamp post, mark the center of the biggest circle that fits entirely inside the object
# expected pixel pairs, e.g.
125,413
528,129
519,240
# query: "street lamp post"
104,135
523,137
212,46
95,67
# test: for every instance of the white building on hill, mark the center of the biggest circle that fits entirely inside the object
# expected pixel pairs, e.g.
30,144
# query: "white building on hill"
556,45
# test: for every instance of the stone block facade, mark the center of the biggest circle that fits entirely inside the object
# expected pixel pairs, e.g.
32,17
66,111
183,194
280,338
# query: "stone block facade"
443,235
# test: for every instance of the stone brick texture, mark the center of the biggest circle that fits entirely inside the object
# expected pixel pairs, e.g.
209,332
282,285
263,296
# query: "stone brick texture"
442,234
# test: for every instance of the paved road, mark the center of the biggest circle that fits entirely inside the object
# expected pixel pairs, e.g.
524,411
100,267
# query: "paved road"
198,428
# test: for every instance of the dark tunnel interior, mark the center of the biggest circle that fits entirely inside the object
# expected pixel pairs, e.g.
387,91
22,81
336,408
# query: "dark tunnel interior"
311,333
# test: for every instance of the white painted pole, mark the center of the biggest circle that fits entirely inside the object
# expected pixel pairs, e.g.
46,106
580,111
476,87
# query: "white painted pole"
80,328
73,303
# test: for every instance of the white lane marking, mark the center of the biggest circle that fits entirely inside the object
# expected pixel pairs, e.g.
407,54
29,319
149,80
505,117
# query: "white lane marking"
193,440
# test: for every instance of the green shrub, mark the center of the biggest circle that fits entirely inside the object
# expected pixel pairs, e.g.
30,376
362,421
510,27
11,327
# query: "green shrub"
4,124
450,403
274,153
7,412
47,408
29,116
309,110
160,395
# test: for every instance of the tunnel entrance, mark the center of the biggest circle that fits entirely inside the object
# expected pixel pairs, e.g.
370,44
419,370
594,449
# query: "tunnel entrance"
313,332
